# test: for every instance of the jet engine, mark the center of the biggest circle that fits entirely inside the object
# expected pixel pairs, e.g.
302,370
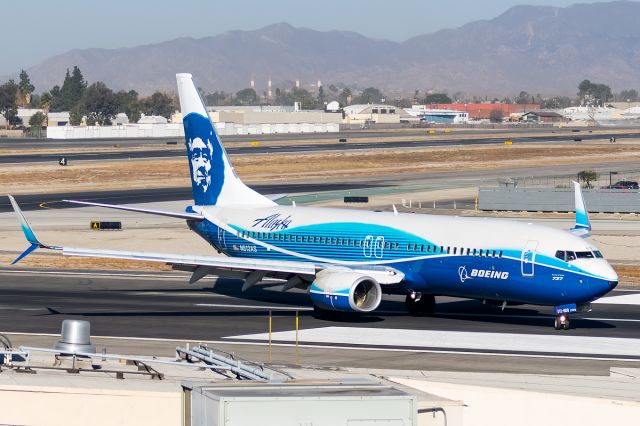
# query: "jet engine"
345,291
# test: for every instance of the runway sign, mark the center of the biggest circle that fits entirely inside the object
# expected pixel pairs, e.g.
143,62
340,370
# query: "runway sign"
106,226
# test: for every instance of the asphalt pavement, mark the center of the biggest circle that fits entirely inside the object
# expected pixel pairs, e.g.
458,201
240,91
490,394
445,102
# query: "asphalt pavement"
163,306
352,145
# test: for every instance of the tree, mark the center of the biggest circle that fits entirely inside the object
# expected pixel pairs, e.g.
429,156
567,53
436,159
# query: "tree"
69,95
593,93
523,98
306,99
25,88
630,95
587,176
158,104
128,103
45,101
437,98
345,97
371,95
556,102
75,116
220,98
495,116
56,104
8,105
321,97
401,103
247,97
37,120
99,103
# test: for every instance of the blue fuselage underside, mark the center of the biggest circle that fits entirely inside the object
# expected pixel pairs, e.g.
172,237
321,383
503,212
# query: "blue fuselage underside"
469,276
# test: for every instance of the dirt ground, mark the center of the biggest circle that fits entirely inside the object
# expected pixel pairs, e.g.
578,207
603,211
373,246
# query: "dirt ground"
173,172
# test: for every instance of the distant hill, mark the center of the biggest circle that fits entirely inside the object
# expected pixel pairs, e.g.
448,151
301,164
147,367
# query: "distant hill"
540,49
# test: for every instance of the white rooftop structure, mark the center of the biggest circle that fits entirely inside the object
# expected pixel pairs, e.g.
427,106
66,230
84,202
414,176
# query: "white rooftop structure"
152,119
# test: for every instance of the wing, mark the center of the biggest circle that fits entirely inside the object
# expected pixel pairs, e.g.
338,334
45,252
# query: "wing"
251,270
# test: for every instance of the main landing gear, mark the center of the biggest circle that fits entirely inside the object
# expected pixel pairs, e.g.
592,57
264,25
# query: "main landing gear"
561,322
420,304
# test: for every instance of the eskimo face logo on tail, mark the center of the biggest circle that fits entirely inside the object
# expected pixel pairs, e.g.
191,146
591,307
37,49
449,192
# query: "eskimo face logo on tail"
205,159
201,154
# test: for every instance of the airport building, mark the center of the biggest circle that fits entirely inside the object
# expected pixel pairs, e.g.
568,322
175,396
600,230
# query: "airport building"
483,111
375,113
543,117
438,116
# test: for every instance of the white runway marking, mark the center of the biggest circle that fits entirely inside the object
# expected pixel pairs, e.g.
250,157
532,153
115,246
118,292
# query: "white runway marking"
496,342
625,299
92,274
262,307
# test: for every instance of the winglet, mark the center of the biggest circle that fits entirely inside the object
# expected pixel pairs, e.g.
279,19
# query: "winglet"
28,232
583,225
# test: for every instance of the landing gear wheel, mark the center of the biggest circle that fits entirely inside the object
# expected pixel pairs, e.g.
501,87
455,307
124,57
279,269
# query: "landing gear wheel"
419,306
561,322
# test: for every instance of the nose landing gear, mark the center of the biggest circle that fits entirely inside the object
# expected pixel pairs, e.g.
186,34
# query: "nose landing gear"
561,322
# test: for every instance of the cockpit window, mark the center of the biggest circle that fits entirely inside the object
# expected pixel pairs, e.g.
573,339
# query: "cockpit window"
598,254
567,256
584,255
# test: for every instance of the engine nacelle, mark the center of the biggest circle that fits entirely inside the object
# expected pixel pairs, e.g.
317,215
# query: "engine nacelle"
345,290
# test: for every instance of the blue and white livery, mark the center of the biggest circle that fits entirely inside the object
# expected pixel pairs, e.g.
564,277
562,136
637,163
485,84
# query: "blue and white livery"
347,259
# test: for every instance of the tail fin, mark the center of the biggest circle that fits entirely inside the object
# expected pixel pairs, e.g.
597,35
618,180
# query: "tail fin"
583,224
213,179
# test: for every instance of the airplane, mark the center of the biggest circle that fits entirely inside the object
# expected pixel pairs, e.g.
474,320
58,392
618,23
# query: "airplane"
346,259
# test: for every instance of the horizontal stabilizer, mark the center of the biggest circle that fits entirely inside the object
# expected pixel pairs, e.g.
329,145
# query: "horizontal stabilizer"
185,215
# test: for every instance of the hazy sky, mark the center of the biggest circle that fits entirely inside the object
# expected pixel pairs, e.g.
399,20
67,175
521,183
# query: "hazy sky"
37,29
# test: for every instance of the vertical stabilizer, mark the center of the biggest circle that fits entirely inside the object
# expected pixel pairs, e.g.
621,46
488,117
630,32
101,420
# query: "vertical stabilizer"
213,179
583,224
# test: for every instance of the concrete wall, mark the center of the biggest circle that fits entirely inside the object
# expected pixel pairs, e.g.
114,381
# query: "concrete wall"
508,407
558,199
69,406
172,130
257,117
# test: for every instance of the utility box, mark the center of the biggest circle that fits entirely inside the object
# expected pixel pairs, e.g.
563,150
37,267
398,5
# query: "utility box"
297,404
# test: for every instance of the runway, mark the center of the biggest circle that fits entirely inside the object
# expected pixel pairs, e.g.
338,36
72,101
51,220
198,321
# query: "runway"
163,306
86,154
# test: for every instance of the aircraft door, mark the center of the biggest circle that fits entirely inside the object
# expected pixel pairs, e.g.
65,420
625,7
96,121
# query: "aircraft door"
528,259
221,238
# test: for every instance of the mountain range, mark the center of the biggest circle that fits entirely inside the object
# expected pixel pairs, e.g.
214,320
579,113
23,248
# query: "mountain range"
540,49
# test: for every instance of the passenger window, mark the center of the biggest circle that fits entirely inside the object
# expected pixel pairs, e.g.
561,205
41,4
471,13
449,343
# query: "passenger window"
441,249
